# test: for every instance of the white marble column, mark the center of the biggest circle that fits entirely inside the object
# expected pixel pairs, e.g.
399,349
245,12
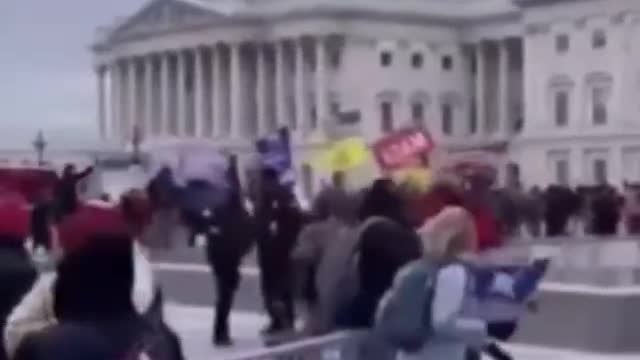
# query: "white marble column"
237,126
261,90
181,94
503,125
480,89
133,100
102,107
321,92
165,95
115,72
281,104
216,89
301,93
148,96
199,92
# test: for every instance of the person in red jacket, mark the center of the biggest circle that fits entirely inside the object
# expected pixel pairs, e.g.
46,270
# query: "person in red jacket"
444,194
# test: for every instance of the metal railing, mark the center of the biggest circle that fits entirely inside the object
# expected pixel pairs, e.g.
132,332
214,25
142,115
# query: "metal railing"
338,346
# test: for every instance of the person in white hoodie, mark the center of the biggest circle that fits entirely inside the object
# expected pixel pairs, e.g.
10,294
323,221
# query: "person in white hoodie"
35,311
447,238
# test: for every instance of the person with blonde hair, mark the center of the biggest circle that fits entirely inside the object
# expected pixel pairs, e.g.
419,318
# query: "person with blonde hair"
446,238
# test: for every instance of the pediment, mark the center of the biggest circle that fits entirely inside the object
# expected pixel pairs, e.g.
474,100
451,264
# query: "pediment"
162,15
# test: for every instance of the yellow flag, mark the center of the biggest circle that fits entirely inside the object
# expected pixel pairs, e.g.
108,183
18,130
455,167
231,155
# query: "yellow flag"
417,180
344,155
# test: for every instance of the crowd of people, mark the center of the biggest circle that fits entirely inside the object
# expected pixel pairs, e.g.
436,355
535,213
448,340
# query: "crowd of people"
334,262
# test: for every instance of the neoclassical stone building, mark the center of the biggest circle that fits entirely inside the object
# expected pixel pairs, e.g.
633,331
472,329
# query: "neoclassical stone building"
553,86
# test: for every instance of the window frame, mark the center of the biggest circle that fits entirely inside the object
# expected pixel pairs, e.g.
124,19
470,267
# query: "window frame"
386,115
599,104
599,39
447,118
418,117
562,43
446,63
417,60
386,58
564,94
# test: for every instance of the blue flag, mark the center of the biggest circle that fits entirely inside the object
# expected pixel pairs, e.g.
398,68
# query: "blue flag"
274,152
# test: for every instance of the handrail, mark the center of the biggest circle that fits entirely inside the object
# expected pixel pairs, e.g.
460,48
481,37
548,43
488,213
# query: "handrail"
342,345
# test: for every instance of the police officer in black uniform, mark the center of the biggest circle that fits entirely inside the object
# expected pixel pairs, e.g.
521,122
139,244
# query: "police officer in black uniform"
229,238
278,220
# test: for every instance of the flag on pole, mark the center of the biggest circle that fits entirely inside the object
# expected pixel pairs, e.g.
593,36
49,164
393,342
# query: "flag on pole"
344,155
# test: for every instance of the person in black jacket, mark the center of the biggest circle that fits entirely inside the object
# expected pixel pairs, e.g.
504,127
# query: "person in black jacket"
96,319
278,221
67,189
385,246
229,236
41,217
17,272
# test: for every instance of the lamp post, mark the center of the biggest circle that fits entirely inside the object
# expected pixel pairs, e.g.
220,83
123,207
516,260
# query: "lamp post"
40,144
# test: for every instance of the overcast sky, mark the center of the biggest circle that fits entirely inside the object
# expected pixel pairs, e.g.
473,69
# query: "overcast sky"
46,76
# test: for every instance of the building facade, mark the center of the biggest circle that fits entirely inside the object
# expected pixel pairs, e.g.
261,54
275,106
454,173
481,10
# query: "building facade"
552,85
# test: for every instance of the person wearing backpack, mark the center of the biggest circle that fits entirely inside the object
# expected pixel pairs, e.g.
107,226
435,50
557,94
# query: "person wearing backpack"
386,244
422,316
95,315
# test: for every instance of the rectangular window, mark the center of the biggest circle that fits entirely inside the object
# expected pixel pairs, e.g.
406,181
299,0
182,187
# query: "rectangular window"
447,63
417,114
417,60
385,58
562,43
599,105
334,107
447,119
561,107
313,118
562,172
386,114
335,59
600,171
473,117
599,39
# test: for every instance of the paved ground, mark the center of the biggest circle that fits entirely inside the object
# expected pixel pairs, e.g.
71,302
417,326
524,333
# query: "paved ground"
192,324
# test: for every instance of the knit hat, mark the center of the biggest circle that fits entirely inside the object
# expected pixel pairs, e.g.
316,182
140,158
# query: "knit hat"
15,217
90,222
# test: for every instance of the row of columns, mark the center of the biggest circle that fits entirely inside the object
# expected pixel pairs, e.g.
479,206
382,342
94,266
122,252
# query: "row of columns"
235,89
501,123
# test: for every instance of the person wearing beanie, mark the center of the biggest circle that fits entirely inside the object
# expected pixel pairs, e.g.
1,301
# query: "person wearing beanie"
36,310
92,291
17,272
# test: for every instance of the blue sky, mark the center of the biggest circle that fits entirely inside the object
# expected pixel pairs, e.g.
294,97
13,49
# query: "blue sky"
46,75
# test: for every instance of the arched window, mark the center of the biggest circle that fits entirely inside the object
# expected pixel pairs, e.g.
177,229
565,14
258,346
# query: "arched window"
599,86
419,102
560,89
387,101
449,102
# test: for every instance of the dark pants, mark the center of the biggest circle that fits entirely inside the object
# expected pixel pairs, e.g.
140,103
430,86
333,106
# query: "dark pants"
277,286
227,277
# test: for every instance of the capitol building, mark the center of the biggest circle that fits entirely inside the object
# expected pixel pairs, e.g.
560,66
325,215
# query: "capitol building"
551,87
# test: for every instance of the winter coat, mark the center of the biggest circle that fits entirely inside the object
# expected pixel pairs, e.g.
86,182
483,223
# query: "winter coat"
35,311
384,247
129,338
17,275
326,247
453,332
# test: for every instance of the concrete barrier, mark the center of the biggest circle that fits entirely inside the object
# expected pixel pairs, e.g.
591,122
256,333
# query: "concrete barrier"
585,317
